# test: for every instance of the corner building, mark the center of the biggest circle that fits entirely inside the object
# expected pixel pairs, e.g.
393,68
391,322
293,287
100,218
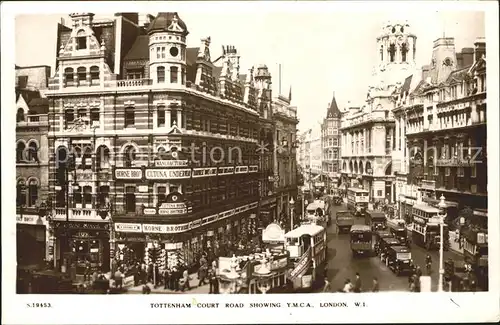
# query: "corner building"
368,132
164,139
330,142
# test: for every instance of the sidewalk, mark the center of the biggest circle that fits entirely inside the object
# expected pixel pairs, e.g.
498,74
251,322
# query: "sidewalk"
160,289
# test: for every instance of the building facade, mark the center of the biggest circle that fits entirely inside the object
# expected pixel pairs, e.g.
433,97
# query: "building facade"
32,165
164,141
285,119
368,132
330,142
441,128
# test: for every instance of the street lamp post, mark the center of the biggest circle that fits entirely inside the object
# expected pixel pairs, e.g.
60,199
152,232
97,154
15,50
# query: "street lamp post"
442,215
292,202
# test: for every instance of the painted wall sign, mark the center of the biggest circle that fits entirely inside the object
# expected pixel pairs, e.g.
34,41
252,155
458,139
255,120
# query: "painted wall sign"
128,173
171,163
168,173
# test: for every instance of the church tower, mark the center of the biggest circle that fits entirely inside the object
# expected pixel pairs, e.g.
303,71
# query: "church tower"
167,49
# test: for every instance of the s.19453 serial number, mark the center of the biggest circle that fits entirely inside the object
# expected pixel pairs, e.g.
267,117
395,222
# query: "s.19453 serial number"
39,305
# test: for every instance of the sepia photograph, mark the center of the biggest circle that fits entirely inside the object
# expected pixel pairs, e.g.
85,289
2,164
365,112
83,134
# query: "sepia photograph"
255,152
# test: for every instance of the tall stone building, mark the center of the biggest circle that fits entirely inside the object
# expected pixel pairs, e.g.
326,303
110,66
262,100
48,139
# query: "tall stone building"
441,132
32,165
164,139
330,143
368,132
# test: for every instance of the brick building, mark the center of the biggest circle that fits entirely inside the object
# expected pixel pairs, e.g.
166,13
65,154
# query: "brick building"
165,142
31,164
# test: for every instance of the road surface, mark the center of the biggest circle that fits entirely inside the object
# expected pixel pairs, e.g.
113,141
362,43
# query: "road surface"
342,265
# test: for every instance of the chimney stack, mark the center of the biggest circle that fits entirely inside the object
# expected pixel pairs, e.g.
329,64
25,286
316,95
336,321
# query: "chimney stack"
467,56
425,71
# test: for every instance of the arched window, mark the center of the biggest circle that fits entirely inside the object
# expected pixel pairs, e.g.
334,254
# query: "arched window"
32,192
160,74
32,151
174,71
20,192
129,117
94,75
392,52
20,115
20,149
82,75
130,155
87,158
102,160
81,40
130,199
69,76
404,50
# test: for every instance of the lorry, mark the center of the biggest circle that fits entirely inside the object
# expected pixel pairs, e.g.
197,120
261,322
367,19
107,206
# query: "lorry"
344,220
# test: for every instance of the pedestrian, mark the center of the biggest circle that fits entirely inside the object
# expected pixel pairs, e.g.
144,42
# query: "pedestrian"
327,286
418,272
119,279
166,279
157,277
357,283
347,286
88,272
211,277
202,271
146,290
150,272
177,279
375,287
185,280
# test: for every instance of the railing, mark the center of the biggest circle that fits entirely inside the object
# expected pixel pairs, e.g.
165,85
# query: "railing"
134,82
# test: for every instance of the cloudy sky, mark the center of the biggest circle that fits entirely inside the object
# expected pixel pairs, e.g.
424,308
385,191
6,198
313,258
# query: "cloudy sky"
322,48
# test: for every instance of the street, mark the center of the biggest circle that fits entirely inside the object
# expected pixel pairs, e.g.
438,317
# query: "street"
342,265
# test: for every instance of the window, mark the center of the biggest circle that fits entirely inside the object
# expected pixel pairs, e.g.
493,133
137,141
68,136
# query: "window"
20,115
473,171
77,195
130,199
82,75
103,195
87,158
173,74
94,75
161,115
162,51
404,50
160,74
335,142
32,152
392,52
20,151
130,156
335,154
94,116
81,42
162,194
69,116
173,117
21,193
82,113
87,197
381,53
69,75
447,171
379,193
129,117
183,76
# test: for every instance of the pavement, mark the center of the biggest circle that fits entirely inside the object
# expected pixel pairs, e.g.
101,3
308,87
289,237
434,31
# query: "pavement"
204,289
342,265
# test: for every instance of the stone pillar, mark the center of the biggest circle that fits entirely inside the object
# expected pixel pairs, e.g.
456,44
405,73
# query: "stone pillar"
398,131
425,155
167,118
179,118
435,143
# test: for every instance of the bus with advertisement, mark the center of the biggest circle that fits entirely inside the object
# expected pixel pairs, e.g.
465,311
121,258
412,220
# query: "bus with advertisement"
307,250
316,212
426,230
357,200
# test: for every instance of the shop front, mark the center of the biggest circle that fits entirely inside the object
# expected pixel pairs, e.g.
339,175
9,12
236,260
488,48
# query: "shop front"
82,244
169,245
406,205
31,240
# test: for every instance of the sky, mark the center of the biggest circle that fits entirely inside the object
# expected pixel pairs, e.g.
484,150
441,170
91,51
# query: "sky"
321,50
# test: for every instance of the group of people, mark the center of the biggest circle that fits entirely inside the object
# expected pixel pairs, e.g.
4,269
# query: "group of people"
350,287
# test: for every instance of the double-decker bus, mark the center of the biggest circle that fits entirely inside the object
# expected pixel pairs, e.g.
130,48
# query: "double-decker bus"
357,200
316,212
426,230
307,248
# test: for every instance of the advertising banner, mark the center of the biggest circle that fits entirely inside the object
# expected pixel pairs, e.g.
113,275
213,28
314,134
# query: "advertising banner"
301,267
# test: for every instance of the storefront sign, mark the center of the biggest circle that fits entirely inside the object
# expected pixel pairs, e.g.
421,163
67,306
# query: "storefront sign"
164,229
128,173
149,211
143,189
171,163
419,220
241,170
29,219
168,173
273,233
162,211
82,234
128,227
203,172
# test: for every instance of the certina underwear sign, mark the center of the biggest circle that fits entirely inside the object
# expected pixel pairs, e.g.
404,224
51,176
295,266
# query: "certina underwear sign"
171,229
181,173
